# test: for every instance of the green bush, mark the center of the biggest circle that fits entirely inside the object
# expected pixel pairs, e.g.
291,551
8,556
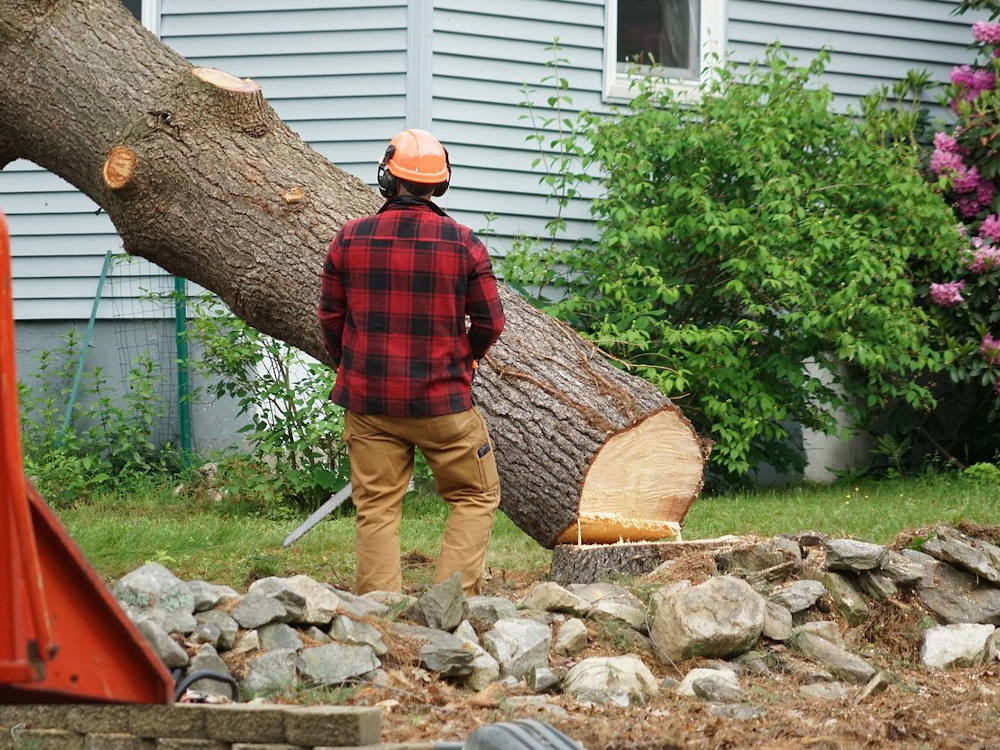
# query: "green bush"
741,237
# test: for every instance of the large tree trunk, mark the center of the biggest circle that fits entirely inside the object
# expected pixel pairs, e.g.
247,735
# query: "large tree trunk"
200,176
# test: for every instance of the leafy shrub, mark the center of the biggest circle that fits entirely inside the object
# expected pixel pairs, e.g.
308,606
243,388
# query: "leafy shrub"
754,258
983,472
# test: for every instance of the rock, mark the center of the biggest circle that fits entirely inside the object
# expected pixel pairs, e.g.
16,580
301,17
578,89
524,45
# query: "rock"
441,606
876,685
543,680
960,645
719,688
720,617
571,638
877,585
208,471
466,632
619,680
270,672
955,596
737,711
824,691
255,610
316,635
218,620
541,616
279,636
441,651
206,632
359,606
209,595
842,664
798,595
979,558
846,598
308,602
754,557
599,592
154,591
824,629
518,646
207,660
485,669
161,643
669,683
777,621
552,597
853,555
613,611
346,630
901,570
756,662
246,642
484,611
336,663
686,686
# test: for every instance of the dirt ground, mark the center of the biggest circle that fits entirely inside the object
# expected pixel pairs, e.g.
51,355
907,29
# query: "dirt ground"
920,709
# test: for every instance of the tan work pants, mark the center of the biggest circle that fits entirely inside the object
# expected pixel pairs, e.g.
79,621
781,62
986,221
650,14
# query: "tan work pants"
458,449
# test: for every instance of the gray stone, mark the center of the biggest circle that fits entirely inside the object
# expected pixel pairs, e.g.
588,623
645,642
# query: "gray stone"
901,570
876,685
718,688
756,662
571,638
278,635
847,599
955,596
541,616
737,711
842,663
316,635
466,632
686,686
755,557
960,645
543,680
485,669
255,610
484,611
977,557
877,585
853,555
441,606
163,645
336,663
207,660
347,630
154,591
270,672
206,632
227,626
308,602
210,595
619,680
614,611
601,591
827,629
551,597
798,595
246,642
360,606
518,646
777,621
720,617
669,683
449,660
442,651
824,691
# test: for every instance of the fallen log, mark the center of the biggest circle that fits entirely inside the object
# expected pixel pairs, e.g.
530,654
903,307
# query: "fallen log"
597,562
200,176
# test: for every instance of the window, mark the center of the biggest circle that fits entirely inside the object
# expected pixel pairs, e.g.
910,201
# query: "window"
677,36
147,12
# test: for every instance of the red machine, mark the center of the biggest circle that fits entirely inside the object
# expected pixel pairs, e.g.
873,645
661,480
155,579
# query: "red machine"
63,637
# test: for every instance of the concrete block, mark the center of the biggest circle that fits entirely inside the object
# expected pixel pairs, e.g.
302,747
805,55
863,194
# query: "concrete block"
245,723
333,725
34,716
116,741
264,746
179,720
47,739
189,743
109,719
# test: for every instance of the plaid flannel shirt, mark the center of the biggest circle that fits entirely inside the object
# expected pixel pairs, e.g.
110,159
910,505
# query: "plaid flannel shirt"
397,287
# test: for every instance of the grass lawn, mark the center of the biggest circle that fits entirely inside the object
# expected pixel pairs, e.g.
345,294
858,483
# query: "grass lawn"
199,539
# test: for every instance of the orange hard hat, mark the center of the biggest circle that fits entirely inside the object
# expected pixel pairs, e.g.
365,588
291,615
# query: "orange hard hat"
417,156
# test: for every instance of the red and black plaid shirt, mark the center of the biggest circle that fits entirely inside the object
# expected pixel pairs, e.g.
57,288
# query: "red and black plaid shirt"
396,289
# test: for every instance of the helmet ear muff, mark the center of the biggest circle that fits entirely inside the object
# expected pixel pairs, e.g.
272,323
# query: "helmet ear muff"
441,187
388,184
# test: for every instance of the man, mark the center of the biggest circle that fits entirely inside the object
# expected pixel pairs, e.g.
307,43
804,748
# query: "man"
397,287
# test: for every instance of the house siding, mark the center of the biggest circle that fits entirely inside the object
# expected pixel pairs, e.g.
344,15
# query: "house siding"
336,72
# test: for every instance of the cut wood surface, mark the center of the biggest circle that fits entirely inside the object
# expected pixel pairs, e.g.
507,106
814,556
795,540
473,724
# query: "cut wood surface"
200,176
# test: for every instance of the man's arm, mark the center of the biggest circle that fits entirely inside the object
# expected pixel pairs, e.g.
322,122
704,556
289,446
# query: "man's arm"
332,304
482,303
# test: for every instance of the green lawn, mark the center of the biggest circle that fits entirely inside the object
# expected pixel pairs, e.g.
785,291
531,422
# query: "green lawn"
199,539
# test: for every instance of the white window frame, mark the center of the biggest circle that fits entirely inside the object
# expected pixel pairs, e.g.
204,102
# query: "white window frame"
151,15
618,86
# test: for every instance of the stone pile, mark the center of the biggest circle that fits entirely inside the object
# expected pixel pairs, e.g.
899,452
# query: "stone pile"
787,607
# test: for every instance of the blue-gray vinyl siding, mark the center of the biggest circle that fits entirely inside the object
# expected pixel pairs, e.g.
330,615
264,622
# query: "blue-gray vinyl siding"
347,74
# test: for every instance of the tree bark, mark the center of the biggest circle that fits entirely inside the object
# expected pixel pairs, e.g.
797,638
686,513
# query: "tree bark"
200,176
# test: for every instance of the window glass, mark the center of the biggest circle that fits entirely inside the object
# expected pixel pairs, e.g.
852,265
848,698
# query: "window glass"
135,8
662,30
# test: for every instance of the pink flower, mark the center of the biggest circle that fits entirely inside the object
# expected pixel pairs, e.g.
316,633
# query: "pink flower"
985,32
990,349
948,294
946,162
961,76
963,231
984,259
983,80
984,191
990,228
944,142
968,205
966,180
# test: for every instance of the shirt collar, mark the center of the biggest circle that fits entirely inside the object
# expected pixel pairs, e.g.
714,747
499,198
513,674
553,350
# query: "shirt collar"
408,201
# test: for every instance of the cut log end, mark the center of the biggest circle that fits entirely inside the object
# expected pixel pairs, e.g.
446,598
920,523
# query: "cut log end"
119,166
610,528
226,81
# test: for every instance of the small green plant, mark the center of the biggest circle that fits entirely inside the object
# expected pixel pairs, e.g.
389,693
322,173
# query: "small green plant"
983,472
